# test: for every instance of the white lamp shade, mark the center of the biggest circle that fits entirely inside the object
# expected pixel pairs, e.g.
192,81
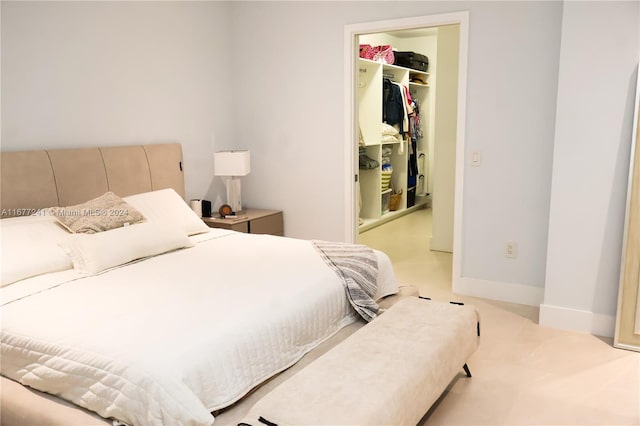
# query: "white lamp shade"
231,163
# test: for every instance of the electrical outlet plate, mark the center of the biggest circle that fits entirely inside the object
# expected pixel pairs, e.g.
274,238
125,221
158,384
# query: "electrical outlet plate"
511,251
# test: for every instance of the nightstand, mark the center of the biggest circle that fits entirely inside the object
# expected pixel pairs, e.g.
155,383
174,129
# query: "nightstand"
252,221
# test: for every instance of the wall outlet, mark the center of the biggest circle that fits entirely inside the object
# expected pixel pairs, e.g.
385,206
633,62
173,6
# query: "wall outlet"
511,251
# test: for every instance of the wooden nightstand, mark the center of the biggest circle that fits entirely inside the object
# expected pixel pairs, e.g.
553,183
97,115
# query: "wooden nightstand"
252,221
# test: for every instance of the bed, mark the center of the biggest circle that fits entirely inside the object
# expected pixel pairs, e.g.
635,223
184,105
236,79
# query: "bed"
164,321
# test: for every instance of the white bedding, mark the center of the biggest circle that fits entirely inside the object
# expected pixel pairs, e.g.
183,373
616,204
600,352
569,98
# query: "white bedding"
171,338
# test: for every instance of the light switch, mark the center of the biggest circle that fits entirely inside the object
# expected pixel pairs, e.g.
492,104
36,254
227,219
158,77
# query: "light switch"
475,159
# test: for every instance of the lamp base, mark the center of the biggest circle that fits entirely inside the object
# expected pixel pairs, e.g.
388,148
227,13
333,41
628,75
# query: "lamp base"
234,193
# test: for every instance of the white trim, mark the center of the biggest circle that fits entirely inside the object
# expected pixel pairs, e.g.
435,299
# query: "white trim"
627,347
495,290
577,320
350,108
350,56
407,23
456,274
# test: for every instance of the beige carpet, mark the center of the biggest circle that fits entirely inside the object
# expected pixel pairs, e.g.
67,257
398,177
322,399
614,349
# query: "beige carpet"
523,374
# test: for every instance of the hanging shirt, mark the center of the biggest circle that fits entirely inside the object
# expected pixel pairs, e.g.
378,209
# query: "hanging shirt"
405,113
393,111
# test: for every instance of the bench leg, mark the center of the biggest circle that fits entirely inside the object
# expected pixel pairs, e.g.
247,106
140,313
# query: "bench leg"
466,370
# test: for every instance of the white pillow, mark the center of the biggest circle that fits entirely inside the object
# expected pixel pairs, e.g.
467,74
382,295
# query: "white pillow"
29,247
103,250
165,205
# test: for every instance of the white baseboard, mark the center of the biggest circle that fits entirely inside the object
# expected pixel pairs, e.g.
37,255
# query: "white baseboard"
550,316
494,290
577,320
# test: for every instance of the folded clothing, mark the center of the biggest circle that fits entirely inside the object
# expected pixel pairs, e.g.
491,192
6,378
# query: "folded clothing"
364,162
390,139
388,129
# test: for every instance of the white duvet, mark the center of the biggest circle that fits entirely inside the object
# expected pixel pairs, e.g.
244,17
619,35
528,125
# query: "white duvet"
172,338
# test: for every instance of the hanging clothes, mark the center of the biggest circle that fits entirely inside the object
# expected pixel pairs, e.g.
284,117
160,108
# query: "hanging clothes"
412,172
414,123
393,110
416,119
405,110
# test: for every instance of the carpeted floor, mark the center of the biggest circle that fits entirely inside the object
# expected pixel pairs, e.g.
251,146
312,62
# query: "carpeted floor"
523,374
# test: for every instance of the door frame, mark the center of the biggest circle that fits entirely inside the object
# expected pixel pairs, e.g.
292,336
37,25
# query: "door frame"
351,54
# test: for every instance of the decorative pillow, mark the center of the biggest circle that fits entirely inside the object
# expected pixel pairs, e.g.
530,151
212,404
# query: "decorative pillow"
97,252
29,247
165,205
100,214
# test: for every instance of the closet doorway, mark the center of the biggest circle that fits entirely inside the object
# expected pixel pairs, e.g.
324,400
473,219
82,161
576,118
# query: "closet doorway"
438,149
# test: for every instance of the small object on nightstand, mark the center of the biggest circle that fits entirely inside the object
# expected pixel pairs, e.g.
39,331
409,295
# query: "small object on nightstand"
225,210
234,217
206,208
201,207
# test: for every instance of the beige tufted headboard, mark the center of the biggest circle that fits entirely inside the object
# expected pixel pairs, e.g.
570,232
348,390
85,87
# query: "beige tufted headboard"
31,180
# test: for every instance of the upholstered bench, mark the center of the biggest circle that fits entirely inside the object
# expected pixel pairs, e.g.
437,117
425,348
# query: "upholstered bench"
387,373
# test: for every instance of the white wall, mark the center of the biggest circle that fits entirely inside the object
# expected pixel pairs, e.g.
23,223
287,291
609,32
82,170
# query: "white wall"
294,106
512,80
591,164
445,137
380,39
116,73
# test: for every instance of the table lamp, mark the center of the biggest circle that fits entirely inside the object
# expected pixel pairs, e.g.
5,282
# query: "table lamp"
231,165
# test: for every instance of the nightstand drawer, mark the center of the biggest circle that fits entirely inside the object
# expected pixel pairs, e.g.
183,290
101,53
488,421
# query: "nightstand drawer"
267,225
240,227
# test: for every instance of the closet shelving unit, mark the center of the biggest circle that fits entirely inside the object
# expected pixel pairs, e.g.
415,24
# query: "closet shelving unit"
374,208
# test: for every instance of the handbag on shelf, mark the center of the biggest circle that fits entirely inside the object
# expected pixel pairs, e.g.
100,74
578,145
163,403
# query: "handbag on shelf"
382,53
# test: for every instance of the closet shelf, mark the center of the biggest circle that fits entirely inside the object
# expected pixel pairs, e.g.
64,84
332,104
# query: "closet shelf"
393,67
417,72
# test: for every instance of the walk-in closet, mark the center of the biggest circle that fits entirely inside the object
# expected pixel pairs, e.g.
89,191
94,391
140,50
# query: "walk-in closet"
407,120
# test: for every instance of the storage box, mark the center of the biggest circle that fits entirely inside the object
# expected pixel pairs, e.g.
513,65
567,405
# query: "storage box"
411,197
394,203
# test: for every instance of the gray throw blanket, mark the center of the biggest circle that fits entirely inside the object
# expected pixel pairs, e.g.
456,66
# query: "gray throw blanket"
357,267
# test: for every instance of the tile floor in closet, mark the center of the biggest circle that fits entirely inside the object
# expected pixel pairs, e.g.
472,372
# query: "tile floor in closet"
523,374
